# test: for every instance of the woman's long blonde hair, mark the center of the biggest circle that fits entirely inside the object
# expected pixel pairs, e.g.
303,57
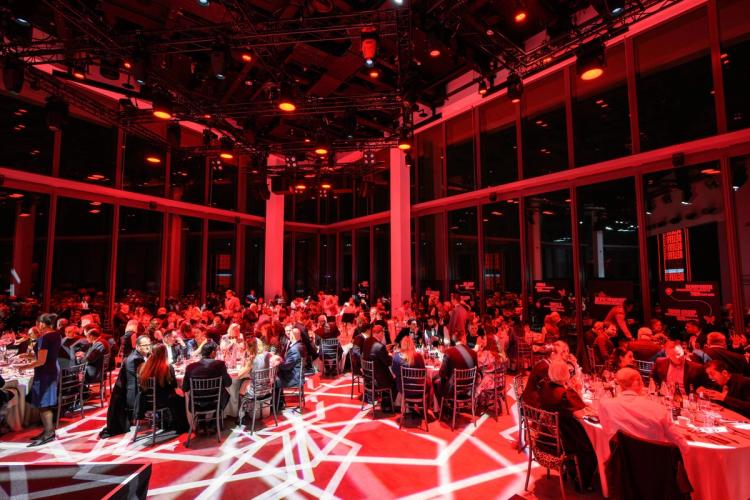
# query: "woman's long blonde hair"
408,350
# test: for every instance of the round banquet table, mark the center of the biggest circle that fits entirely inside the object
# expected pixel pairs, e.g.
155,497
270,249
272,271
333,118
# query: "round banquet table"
19,413
233,406
717,470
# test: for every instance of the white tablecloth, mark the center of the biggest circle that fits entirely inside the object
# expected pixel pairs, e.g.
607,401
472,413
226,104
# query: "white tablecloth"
716,471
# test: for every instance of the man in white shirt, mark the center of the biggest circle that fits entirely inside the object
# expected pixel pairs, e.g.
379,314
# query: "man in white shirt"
637,415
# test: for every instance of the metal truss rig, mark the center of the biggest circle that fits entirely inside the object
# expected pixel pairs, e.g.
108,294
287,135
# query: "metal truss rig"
239,34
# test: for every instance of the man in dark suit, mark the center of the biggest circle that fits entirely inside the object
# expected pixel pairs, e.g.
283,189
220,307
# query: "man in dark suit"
132,364
373,349
94,356
120,321
208,367
290,372
716,349
459,357
411,328
676,368
176,348
71,344
735,389
458,316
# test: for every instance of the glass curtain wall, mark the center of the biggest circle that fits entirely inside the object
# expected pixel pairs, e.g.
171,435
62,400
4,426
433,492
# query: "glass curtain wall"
139,257
305,259
498,142
29,143
463,248
459,154
221,255
502,255
345,265
734,29
143,166
381,283
740,169
545,140
88,152
254,260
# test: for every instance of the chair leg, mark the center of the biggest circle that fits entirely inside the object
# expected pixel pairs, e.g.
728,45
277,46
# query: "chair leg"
403,414
218,427
578,473
528,472
273,408
455,410
190,432
240,413
255,411
440,413
562,483
424,408
155,418
473,413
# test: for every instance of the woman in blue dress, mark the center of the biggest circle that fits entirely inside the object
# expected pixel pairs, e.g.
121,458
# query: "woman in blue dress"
46,372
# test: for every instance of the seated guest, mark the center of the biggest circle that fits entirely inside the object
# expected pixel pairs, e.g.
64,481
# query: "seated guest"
735,389
539,372
231,343
374,350
645,348
408,357
489,357
326,330
590,336
411,329
658,332
603,344
21,344
129,337
176,348
558,397
620,358
716,349
291,373
5,396
459,357
216,330
208,367
434,334
195,345
633,412
676,369
94,356
125,390
162,372
72,343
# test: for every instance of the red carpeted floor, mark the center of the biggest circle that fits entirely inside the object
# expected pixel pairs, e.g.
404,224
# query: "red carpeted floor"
332,450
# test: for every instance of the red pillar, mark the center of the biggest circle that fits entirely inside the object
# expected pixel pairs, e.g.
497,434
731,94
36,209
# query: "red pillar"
274,243
23,252
400,229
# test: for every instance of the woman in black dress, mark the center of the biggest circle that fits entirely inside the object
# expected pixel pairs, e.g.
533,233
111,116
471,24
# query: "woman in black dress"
46,372
158,368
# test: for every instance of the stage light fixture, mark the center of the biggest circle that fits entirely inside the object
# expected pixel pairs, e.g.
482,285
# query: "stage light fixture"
515,87
520,14
14,72
404,140
374,73
482,88
56,113
369,45
591,60
398,3
286,103
226,148
219,61
204,3
78,70
162,106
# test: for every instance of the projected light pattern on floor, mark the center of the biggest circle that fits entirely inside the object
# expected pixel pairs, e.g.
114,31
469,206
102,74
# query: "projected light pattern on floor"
333,450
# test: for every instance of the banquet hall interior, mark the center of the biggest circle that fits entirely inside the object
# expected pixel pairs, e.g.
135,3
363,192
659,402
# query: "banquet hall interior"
375,249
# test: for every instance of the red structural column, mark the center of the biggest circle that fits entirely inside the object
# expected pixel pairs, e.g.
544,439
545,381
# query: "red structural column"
274,242
23,251
400,218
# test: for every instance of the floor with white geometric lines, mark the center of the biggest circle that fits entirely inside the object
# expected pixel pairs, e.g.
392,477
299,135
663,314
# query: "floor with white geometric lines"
334,450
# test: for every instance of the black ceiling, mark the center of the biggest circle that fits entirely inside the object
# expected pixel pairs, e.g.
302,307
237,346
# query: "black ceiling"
310,47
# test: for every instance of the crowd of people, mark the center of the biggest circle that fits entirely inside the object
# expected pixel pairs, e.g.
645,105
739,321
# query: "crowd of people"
247,334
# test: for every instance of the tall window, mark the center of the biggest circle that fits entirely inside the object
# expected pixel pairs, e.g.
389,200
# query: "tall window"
498,142
735,59
429,164
381,282
191,258
88,152
463,248
305,264
741,190
254,260
139,256
28,142
601,117
345,265
545,140
363,256
675,86
83,249
221,255
188,177
143,166
687,242
608,235
459,154
502,248
223,184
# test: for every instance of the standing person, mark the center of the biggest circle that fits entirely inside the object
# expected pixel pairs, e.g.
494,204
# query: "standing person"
458,316
46,372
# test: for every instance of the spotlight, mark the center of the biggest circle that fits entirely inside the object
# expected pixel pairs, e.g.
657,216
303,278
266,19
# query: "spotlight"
374,73
152,158
204,3
326,184
15,196
300,187
404,140
609,8
219,61
246,57
225,148
24,209
369,37
285,99
321,148
78,71
56,111
591,60
409,161
433,49
162,106
13,74
520,14
398,3
515,87
482,89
